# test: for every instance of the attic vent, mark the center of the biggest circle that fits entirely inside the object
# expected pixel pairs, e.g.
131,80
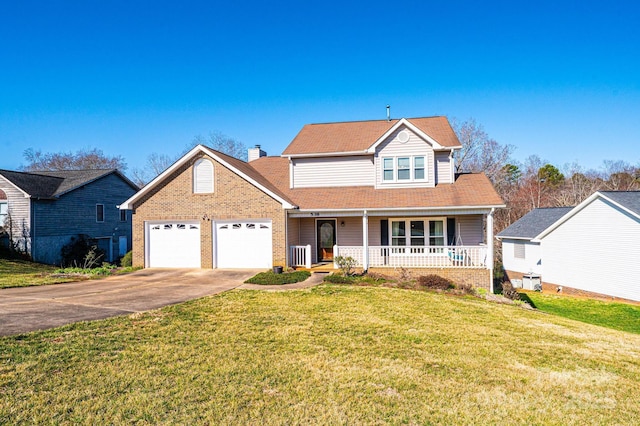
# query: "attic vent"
403,136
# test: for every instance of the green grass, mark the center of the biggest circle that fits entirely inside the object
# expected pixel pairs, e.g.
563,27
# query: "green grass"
21,273
618,316
269,278
332,354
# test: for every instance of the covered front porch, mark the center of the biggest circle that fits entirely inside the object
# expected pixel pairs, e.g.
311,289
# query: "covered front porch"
460,238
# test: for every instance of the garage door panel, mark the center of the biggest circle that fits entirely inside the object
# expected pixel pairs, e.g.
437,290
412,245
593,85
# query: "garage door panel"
174,245
244,244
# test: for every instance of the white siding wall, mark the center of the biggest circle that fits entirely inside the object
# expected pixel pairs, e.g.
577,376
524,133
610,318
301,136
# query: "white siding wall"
443,167
531,262
333,171
415,146
596,250
18,208
308,235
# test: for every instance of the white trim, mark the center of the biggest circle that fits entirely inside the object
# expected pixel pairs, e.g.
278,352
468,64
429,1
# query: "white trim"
326,154
128,204
403,121
396,169
426,235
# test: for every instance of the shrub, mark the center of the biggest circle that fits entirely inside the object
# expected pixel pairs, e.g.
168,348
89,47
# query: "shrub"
509,291
340,279
269,278
346,264
127,259
81,251
435,282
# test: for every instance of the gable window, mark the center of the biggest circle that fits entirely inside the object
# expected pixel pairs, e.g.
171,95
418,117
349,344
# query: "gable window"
99,212
203,176
123,215
403,169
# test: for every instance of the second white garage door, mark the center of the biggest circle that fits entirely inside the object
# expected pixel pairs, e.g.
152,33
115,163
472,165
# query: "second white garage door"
244,244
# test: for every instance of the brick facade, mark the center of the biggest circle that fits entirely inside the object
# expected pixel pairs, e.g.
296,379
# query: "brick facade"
233,198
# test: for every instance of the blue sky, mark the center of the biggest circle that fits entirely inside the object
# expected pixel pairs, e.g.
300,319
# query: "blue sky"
557,79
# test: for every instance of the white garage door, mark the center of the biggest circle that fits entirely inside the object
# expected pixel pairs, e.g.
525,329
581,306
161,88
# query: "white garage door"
244,244
174,245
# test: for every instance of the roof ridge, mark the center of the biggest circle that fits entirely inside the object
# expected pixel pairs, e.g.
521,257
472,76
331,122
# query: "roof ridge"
373,120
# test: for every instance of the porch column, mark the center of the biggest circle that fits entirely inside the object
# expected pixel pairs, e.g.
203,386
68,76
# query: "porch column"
490,248
365,241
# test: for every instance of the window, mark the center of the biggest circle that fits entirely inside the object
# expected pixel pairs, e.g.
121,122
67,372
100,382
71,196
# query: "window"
99,212
203,177
518,250
4,207
403,169
418,168
416,236
123,215
387,165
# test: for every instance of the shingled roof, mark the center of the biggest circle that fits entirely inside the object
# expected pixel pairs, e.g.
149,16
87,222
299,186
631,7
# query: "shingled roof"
469,190
628,199
533,223
357,136
52,184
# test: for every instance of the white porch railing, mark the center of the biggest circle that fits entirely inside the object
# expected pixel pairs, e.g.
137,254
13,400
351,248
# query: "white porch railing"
419,256
300,256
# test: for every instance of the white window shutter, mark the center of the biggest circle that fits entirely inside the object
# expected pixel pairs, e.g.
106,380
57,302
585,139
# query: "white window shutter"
203,176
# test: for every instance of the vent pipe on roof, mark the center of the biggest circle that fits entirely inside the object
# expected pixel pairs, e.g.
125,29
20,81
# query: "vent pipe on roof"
388,113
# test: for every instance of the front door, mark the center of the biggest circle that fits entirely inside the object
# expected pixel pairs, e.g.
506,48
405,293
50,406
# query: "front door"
326,237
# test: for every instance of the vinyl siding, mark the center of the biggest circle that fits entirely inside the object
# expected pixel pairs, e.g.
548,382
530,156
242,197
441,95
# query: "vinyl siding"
75,213
471,230
415,146
596,250
443,167
532,261
333,171
18,208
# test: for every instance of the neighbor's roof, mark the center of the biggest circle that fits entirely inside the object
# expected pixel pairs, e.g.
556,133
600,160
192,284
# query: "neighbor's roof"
358,136
628,199
468,191
533,223
52,184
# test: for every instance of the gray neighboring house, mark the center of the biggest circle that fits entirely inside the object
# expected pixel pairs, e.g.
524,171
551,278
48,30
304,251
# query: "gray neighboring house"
41,211
520,253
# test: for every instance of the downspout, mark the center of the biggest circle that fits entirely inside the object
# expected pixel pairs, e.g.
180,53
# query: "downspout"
490,248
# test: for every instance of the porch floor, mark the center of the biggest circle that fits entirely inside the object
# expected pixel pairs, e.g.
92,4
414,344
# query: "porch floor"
318,267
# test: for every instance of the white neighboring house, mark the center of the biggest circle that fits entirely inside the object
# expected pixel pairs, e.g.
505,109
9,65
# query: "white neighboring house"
594,249
520,253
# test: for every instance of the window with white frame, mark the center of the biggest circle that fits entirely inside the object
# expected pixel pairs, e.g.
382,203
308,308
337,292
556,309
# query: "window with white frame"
4,212
417,233
403,169
203,176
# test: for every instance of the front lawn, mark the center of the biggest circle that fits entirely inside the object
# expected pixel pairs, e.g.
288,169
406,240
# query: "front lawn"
332,354
619,316
21,273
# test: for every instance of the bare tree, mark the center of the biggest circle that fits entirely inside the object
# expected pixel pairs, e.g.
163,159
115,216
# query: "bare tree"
80,160
223,143
621,176
156,164
479,152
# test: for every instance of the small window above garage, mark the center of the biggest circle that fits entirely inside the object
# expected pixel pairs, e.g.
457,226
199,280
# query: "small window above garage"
203,176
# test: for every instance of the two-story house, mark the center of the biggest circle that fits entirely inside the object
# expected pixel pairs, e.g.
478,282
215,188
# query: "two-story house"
41,211
383,192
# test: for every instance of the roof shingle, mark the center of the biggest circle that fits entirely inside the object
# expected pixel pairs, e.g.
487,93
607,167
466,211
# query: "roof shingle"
533,223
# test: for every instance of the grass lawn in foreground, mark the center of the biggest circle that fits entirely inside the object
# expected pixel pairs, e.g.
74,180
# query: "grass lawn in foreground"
22,273
327,355
619,316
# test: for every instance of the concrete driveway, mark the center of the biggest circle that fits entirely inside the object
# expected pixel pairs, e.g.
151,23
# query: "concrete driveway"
27,309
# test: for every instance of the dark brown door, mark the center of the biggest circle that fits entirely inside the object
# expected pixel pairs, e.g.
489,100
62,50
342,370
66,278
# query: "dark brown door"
326,237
